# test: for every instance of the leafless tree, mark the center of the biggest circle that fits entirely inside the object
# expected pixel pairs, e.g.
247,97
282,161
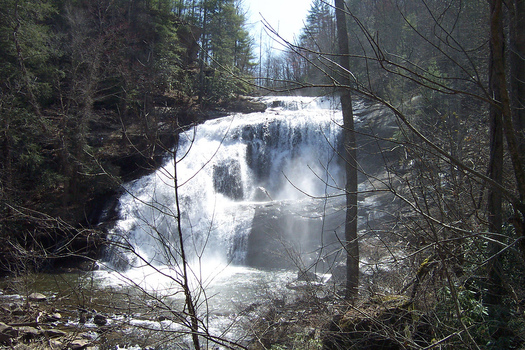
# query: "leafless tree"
462,221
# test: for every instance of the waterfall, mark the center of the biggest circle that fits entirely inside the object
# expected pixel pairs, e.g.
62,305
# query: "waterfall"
227,168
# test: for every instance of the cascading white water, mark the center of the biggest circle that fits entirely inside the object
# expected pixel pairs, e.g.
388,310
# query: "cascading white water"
225,167
250,218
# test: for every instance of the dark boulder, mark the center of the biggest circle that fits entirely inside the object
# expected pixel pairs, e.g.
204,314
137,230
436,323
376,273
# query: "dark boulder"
227,179
308,276
100,320
243,104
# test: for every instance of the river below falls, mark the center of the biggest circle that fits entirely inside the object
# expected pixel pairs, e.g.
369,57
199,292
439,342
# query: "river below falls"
144,310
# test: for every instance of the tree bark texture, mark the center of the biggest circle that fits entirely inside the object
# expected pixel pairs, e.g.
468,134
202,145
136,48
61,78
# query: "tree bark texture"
189,300
497,90
517,91
349,155
499,82
517,70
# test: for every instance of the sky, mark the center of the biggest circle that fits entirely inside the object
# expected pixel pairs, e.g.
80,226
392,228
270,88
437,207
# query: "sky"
285,16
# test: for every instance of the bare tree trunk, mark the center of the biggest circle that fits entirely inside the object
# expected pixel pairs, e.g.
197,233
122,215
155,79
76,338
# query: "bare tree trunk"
517,90
7,158
203,54
349,155
190,304
499,80
517,70
495,218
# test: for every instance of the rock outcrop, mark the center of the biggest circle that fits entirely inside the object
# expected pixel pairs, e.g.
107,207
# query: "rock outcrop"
386,323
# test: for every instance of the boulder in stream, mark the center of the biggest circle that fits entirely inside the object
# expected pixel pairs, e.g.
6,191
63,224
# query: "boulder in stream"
38,297
79,343
308,276
100,320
